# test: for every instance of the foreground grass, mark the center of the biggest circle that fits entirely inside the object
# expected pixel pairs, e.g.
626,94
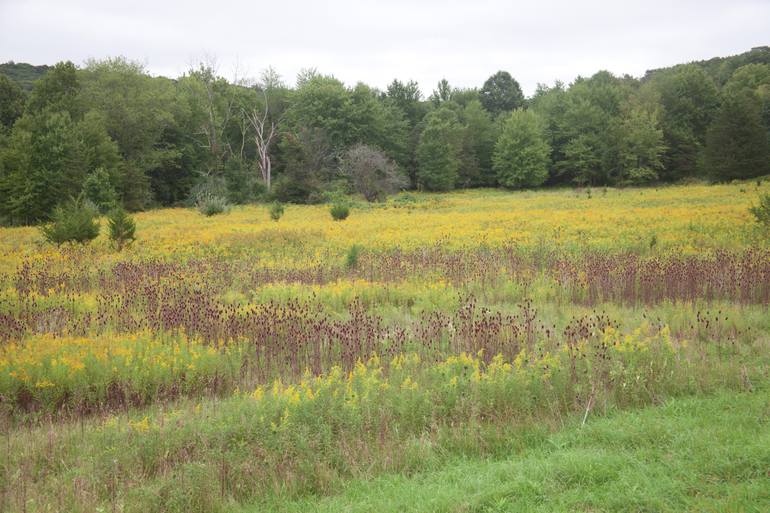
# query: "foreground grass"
294,440
694,454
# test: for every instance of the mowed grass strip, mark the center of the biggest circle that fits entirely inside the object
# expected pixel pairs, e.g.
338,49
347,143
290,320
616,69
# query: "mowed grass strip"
695,454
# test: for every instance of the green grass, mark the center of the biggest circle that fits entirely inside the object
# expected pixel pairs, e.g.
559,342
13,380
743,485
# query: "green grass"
695,454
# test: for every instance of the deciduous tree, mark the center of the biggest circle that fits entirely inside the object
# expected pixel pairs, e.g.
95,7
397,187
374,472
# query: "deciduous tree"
521,153
438,151
371,172
501,93
737,143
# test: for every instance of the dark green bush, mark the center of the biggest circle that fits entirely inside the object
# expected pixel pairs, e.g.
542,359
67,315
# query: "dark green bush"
762,211
351,259
339,211
242,184
74,221
212,204
288,190
122,228
276,211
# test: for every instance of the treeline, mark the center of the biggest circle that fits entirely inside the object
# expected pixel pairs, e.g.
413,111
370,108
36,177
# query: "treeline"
113,133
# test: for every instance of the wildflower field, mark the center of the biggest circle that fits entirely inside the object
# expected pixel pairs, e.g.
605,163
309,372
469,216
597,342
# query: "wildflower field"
235,362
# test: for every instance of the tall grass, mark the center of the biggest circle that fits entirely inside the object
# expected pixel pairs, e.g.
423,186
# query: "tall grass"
229,359
292,438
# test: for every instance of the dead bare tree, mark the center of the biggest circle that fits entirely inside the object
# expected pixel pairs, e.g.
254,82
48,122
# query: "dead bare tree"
218,105
264,134
265,125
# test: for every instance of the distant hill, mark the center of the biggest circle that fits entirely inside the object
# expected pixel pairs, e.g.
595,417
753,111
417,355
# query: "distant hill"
721,68
22,73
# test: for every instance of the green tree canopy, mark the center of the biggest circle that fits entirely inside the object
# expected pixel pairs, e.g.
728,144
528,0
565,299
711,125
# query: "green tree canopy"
323,102
522,153
588,128
755,80
438,150
641,147
47,159
12,101
479,134
408,99
501,93
689,100
58,90
550,103
737,143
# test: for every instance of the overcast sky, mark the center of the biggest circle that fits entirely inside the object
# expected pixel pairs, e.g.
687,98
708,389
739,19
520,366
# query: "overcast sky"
363,40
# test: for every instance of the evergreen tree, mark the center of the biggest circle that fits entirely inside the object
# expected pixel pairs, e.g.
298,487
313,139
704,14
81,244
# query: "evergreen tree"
39,167
49,157
122,228
72,221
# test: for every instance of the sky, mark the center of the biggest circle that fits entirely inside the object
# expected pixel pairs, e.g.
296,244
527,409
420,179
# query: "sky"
376,41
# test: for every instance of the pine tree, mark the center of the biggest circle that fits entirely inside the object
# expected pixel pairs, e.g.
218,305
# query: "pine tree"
122,228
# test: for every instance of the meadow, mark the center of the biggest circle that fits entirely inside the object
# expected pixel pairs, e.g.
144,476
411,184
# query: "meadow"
236,362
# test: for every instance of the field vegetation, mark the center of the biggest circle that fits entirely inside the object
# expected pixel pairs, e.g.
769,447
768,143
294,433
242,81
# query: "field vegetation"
232,361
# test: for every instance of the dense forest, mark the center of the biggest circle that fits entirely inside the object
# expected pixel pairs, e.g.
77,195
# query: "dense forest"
113,133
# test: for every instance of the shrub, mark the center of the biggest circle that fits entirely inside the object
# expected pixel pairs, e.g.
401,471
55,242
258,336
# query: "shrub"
122,228
73,221
351,259
287,190
640,176
241,183
406,198
276,211
762,211
339,211
212,204
372,173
